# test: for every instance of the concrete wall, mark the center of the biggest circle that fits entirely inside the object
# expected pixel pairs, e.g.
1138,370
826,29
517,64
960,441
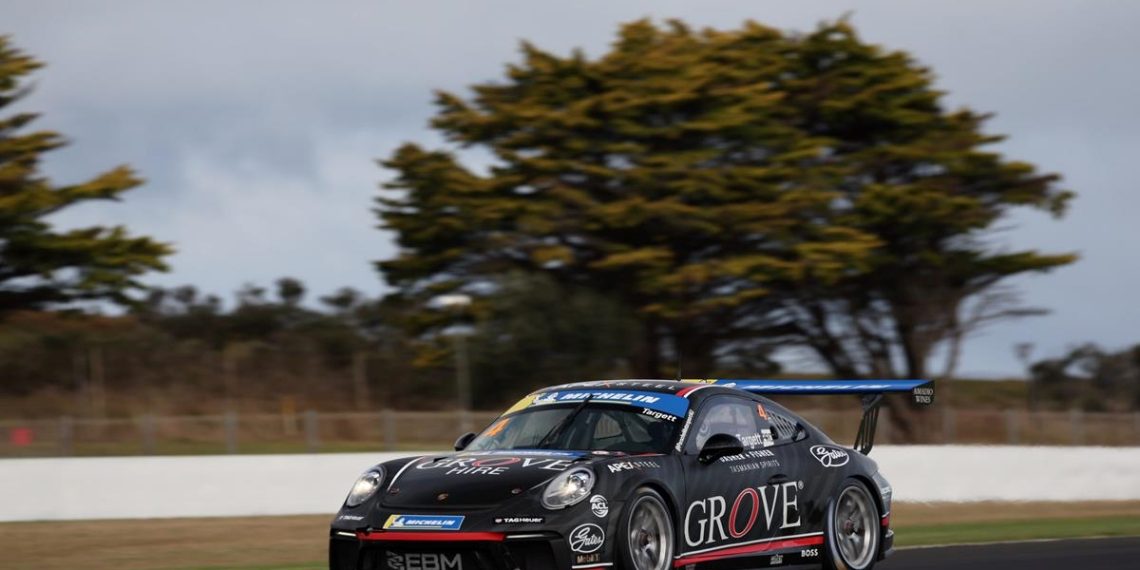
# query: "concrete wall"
249,485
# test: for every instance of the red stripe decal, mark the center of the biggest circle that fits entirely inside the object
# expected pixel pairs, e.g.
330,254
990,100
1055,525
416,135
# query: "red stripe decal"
432,536
749,549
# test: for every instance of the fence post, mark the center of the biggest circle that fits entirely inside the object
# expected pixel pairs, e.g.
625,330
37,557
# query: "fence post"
948,425
230,422
1012,427
1077,426
465,422
146,427
389,423
312,433
67,435
885,424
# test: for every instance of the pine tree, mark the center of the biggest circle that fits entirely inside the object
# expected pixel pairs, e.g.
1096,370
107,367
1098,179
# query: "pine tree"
40,266
734,189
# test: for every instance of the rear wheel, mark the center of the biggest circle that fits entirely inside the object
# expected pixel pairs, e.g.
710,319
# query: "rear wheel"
646,529
852,534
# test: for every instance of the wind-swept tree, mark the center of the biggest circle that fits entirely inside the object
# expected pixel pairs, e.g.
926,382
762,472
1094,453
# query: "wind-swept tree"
41,266
925,184
666,175
734,189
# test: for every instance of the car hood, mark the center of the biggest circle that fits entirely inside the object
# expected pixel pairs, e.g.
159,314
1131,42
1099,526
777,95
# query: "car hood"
476,479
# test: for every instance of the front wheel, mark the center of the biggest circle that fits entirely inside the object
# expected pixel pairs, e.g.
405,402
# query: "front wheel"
852,533
646,528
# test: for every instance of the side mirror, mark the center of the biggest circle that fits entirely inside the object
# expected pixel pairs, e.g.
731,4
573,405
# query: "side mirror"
719,445
464,440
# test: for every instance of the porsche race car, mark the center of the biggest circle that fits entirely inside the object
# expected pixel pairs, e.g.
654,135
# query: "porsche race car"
636,475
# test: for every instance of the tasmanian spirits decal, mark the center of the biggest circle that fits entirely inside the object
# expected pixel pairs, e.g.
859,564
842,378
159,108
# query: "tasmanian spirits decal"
830,456
713,520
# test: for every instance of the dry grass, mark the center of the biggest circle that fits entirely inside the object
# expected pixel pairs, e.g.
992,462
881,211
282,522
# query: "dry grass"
165,543
299,542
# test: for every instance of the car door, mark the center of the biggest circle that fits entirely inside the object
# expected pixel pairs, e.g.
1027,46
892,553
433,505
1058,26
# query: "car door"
735,504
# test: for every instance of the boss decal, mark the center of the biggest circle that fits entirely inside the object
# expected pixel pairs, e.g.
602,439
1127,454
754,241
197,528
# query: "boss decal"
586,538
713,520
599,506
830,456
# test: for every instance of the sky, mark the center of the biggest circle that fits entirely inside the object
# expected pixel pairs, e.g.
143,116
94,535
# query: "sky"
258,124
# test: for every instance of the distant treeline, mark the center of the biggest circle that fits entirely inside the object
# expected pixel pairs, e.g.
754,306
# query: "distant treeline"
184,352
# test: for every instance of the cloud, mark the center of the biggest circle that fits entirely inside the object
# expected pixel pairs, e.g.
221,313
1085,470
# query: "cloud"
257,124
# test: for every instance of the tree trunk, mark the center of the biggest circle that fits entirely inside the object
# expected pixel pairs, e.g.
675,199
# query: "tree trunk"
906,416
646,358
694,354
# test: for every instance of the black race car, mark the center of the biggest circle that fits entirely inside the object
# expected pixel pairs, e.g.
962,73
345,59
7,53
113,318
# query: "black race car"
632,474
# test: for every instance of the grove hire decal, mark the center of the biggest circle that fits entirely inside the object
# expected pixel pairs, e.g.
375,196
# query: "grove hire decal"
713,520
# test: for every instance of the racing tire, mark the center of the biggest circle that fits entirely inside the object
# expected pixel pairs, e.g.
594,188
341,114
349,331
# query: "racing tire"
851,531
645,533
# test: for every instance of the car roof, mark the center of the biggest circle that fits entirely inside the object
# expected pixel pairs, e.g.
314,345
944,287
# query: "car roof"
693,389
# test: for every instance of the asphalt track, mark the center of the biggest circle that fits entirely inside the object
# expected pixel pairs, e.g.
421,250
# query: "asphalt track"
1035,555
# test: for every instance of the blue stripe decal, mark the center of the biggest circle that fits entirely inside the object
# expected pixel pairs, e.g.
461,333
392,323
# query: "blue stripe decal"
822,386
658,401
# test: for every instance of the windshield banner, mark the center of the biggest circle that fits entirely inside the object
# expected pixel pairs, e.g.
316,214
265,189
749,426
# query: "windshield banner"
656,401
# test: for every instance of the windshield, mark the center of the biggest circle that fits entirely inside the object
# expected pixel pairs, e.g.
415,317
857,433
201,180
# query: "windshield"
592,426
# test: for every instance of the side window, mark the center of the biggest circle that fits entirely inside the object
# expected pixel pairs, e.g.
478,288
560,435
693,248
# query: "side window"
783,426
726,414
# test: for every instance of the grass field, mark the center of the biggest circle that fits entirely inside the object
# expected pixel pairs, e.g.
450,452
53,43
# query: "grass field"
298,543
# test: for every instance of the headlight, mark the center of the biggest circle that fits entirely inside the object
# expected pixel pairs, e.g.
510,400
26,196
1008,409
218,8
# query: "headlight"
365,486
568,488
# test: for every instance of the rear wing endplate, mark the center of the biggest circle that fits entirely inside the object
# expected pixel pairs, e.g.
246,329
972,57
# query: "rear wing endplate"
872,392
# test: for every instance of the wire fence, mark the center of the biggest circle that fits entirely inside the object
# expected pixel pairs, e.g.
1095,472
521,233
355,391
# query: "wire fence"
392,430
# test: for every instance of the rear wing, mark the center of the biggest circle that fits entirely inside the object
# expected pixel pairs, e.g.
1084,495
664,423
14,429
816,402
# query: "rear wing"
872,391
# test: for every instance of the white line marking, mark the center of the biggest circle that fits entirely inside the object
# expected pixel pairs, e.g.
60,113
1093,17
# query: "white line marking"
1000,542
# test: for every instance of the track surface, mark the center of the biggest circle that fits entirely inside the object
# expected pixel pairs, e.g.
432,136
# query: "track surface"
1040,555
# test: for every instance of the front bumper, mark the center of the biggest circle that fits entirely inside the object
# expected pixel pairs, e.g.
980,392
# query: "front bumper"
449,551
